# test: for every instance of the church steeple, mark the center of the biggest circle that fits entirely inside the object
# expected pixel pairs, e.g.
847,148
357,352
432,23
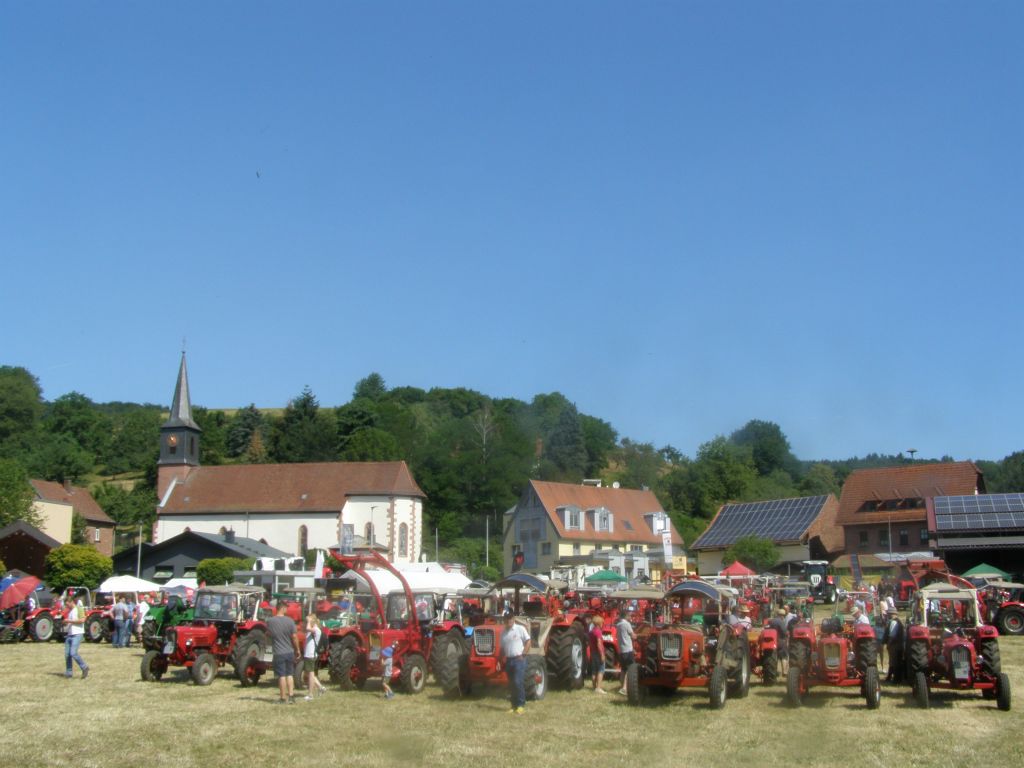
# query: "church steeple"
179,436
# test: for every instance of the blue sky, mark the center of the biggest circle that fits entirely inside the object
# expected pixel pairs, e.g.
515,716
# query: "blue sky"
680,215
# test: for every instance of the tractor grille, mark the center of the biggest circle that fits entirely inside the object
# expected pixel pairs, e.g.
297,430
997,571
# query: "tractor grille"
961,662
483,642
833,654
671,646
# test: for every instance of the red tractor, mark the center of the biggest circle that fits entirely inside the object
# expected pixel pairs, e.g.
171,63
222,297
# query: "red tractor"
949,647
558,642
227,627
839,654
1004,607
704,652
47,621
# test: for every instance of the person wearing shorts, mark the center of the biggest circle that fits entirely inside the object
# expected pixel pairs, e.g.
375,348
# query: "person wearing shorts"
284,638
313,634
597,652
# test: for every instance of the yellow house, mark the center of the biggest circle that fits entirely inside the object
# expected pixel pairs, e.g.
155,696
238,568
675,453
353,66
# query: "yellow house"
56,502
54,518
561,524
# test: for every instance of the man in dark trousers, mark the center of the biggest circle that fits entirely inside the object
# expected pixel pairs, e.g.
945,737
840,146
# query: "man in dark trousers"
284,637
893,639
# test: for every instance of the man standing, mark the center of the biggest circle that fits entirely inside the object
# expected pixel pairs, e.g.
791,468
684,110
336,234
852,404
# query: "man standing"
284,637
893,639
625,635
120,615
75,620
515,643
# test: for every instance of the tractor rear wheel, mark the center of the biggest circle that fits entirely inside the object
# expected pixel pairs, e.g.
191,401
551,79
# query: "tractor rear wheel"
991,663
872,690
204,669
246,658
565,653
450,662
1003,692
921,689
94,629
153,666
770,667
535,679
636,693
794,694
42,628
918,657
343,657
1011,621
716,688
739,686
414,673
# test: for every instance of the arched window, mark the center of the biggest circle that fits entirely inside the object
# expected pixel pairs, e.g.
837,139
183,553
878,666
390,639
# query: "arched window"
403,540
303,540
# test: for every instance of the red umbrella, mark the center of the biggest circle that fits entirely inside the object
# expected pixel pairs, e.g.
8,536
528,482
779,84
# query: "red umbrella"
737,569
18,591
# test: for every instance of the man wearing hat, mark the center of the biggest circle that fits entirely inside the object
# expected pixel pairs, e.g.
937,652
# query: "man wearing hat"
893,640
743,622
859,617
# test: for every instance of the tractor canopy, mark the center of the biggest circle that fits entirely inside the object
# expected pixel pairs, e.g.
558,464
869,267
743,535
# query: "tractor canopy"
693,588
528,580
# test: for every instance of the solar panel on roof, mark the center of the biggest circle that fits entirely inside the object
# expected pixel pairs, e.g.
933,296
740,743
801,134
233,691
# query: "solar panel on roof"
993,511
778,520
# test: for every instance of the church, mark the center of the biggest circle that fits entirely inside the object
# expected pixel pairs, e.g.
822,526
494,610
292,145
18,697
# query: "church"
291,507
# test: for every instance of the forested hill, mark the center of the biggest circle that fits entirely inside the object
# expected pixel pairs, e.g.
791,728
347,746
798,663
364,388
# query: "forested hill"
472,454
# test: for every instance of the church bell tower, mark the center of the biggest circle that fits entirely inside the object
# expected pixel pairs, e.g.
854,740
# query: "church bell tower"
179,437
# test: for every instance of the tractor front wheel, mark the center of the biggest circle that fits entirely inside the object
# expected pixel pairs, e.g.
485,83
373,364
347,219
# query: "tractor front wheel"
921,689
1003,692
413,677
535,679
154,664
717,687
991,663
247,657
42,628
636,693
204,669
450,662
770,667
918,657
566,651
794,687
739,686
872,690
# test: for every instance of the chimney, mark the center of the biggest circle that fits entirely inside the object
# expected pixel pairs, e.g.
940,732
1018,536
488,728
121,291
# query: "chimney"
229,536
67,485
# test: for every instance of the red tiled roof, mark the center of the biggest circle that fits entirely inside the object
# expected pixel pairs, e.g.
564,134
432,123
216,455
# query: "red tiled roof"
626,505
80,499
915,481
288,487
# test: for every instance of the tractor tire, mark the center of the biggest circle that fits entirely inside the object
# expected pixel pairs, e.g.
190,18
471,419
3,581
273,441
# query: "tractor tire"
921,689
94,629
449,660
636,694
413,676
343,657
1011,621
918,658
153,666
770,668
535,678
794,695
799,655
42,628
867,655
717,687
991,663
611,659
566,652
739,686
204,669
872,689
148,635
1003,692
246,657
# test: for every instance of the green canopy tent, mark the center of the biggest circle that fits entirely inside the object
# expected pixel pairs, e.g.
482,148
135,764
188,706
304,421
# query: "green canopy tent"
986,571
605,577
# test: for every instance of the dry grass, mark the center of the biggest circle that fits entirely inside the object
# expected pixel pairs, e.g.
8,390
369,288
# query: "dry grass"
57,722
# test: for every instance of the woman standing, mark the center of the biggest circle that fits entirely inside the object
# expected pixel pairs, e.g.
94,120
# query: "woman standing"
309,659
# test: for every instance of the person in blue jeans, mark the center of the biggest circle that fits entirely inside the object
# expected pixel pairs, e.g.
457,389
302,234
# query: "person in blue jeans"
515,643
75,619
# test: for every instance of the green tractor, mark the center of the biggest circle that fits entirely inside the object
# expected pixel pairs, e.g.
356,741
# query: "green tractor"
170,614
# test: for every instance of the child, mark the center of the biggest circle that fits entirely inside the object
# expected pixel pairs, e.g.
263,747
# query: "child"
309,659
388,661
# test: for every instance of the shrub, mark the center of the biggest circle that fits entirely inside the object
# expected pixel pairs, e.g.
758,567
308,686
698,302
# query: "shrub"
76,565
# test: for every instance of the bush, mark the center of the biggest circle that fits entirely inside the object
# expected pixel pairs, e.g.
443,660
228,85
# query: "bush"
76,565
221,570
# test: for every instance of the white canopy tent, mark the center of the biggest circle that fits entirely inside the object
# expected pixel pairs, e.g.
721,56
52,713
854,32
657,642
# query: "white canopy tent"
128,584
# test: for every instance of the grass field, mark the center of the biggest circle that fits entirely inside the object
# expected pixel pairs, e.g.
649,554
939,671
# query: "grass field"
115,718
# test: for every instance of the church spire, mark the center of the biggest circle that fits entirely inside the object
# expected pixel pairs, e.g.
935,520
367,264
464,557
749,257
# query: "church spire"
181,407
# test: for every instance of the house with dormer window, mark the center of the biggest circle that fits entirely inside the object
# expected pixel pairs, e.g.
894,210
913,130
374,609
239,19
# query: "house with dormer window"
560,524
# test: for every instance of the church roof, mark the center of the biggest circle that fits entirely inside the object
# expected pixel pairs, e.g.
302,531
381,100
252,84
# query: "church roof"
181,407
298,488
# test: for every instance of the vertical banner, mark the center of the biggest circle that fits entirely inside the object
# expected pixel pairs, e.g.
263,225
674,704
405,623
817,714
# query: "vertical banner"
666,545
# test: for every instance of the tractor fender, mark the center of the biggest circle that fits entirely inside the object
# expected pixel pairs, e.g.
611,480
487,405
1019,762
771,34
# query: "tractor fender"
862,631
918,632
987,630
769,640
804,631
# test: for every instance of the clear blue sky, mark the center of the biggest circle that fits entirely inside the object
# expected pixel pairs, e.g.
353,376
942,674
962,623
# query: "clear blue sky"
680,215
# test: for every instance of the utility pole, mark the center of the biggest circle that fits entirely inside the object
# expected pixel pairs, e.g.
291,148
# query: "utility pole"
487,541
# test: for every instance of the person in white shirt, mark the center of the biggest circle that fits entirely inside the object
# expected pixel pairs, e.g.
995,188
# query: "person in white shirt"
74,618
515,643
859,617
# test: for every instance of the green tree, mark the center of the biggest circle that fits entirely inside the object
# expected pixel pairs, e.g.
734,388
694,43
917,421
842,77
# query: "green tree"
59,457
820,480
769,447
76,565
370,444
78,526
135,441
21,405
640,464
16,495
303,433
721,473
565,454
126,507
247,422
77,417
755,552
213,447
371,388
221,570
599,439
